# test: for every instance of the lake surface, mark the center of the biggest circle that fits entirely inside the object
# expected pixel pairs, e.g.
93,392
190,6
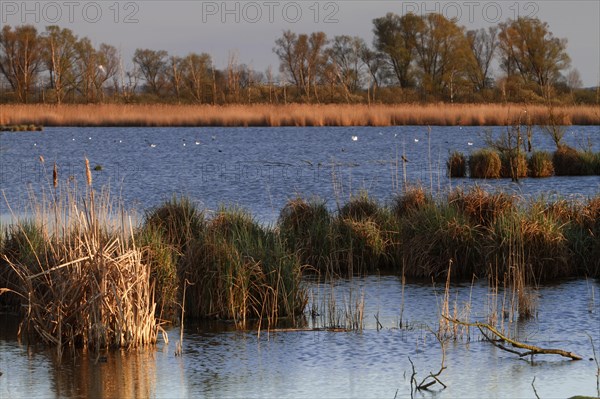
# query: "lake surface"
260,168
220,362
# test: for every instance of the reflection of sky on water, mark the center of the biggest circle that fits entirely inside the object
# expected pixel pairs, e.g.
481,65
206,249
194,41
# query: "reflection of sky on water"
307,364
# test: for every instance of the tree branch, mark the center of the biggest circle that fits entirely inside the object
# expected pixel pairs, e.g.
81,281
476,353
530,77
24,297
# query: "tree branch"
531,349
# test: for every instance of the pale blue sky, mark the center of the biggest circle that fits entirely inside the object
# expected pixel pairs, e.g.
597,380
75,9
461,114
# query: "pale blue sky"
251,27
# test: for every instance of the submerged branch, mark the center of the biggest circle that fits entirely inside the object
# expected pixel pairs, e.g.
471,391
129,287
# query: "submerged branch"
531,349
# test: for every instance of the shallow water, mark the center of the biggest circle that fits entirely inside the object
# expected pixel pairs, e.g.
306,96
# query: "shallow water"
259,168
219,362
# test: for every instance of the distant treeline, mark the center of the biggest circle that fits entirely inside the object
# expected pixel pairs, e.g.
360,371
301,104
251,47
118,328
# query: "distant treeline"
412,59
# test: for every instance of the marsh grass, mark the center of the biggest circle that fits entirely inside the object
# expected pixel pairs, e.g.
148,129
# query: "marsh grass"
457,164
568,161
485,164
306,229
241,271
411,200
166,234
331,309
365,236
481,206
513,163
490,164
540,164
80,274
288,115
436,235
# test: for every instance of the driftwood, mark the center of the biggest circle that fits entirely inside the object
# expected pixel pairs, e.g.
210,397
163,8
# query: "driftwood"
530,349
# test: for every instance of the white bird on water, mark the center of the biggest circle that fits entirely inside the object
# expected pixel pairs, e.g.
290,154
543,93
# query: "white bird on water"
416,140
469,143
354,138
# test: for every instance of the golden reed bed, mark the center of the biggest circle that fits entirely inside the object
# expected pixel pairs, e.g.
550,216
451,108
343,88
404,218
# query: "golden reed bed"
293,115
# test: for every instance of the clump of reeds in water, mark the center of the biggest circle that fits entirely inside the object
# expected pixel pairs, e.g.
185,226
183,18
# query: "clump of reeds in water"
364,236
166,234
239,271
513,164
79,273
568,161
413,199
481,206
305,228
435,235
457,164
485,164
540,164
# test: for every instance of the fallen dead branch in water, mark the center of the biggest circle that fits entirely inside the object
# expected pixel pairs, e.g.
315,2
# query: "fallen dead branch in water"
530,349
432,378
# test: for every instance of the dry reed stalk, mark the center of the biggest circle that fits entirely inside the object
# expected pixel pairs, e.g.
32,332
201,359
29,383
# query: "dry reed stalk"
288,115
86,286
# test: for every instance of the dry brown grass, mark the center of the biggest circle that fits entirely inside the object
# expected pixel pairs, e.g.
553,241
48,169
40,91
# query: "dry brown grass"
80,274
287,115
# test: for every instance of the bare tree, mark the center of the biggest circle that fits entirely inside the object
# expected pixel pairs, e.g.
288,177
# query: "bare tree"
108,66
175,74
345,54
152,65
302,57
59,52
483,44
20,58
197,74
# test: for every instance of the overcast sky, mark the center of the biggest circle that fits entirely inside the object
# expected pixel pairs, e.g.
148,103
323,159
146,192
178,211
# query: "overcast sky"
251,27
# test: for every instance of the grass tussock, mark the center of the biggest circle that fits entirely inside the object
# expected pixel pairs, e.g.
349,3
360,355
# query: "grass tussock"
457,164
513,165
365,234
79,275
305,228
436,236
413,199
489,163
540,164
239,270
568,161
480,206
286,115
485,164
166,234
